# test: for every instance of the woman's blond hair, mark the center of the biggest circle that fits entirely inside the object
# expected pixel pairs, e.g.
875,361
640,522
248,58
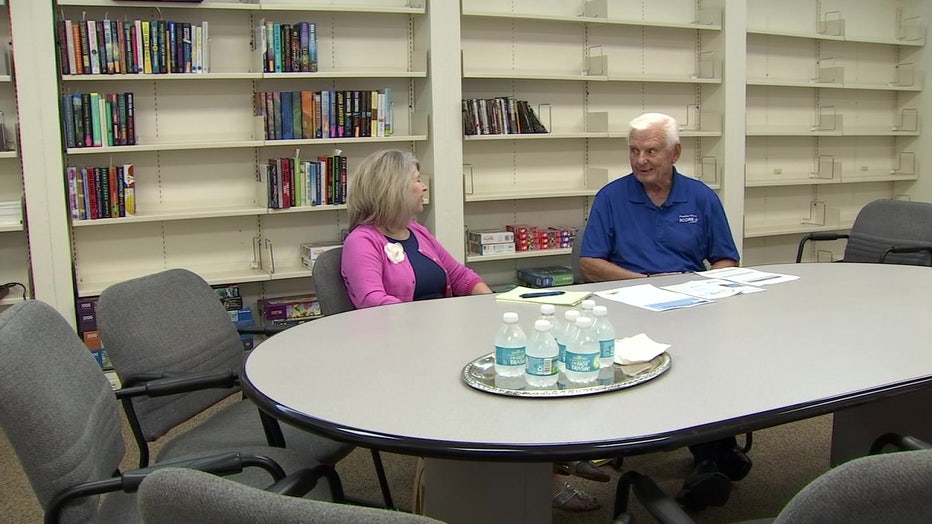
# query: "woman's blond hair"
379,191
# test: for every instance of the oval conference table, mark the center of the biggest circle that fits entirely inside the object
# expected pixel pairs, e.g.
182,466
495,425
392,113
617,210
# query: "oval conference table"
390,378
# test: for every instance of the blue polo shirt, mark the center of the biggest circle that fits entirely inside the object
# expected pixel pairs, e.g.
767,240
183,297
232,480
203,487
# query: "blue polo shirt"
626,228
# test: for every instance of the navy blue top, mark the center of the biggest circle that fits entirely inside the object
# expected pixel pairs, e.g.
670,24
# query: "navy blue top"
629,230
430,281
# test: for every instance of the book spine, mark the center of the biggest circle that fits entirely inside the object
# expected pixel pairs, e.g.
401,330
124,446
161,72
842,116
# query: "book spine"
91,190
68,119
307,114
262,48
277,46
77,104
129,189
145,39
80,183
70,58
312,46
130,119
340,105
87,116
92,47
71,174
109,53
286,118
113,187
304,33
186,48
297,122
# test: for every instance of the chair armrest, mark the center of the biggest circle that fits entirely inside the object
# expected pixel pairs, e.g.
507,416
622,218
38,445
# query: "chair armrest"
171,383
301,482
259,331
900,442
816,237
904,250
128,482
646,491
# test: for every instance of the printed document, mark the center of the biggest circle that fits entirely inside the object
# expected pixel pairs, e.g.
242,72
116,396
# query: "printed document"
650,297
745,275
712,288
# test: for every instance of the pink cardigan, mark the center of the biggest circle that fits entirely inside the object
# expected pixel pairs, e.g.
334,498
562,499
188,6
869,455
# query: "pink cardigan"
373,280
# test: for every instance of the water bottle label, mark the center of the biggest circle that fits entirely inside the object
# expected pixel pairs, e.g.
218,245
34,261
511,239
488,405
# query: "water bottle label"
607,349
582,362
562,356
509,356
541,366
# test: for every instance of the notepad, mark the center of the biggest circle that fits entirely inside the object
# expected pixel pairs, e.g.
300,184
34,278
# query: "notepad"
568,298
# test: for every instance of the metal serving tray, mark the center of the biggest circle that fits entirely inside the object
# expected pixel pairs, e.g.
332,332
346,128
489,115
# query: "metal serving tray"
480,374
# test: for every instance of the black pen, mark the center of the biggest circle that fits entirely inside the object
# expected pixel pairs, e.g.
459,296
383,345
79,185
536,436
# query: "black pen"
542,294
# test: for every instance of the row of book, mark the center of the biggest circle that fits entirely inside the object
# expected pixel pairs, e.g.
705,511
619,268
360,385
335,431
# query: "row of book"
500,116
108,47
325,114
96,120
101,192
287,47
293,182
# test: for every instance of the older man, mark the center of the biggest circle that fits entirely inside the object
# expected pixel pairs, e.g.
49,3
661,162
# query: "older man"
656,221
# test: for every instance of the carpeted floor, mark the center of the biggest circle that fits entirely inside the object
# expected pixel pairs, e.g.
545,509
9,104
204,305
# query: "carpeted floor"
785,459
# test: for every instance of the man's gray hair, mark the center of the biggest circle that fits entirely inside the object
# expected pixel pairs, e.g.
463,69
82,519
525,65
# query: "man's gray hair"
668,124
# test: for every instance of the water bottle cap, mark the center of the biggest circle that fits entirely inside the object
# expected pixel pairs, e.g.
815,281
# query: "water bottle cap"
588,304
547,309
584,322
571,315
542,325
600,311
510,317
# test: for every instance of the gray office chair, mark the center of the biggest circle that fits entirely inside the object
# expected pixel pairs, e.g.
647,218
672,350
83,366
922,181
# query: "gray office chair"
333,298
62,419
885,231
173,496
329,284
168,332
578,277
892,487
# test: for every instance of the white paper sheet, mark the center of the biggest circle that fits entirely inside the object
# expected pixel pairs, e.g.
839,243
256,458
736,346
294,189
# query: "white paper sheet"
712,288
650,297
744,275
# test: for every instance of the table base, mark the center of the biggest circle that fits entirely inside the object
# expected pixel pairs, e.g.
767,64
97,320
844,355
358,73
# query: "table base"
489,492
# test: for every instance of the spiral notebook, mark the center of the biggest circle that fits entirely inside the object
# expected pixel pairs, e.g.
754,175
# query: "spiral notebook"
564,298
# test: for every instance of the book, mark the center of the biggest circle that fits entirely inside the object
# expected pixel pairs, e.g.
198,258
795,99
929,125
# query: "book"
548,276
565,298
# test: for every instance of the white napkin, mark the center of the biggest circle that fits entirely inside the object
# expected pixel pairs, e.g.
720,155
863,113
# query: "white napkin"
636,349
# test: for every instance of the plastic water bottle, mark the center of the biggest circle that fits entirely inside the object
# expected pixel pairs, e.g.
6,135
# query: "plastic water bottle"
510,347
564,335
605,334
548,313
582,354
542,355
586,307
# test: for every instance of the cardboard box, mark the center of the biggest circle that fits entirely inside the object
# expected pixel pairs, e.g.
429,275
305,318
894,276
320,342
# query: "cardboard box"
490,249
290,308
490,236
311,250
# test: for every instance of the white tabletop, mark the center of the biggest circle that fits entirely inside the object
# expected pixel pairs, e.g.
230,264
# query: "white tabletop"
390,377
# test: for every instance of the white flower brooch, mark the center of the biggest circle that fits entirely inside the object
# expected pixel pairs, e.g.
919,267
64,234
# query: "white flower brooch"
395,252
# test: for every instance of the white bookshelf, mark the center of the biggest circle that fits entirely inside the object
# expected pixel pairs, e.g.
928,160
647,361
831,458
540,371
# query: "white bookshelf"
199,146
833,118
587,69
14,248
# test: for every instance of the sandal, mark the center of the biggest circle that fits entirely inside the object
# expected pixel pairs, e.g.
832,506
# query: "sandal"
572,499
583,469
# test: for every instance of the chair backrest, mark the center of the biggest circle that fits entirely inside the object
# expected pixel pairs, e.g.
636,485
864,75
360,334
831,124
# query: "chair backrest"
893,487
173,495
329,284
171,321
574,256
58,411
884,223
